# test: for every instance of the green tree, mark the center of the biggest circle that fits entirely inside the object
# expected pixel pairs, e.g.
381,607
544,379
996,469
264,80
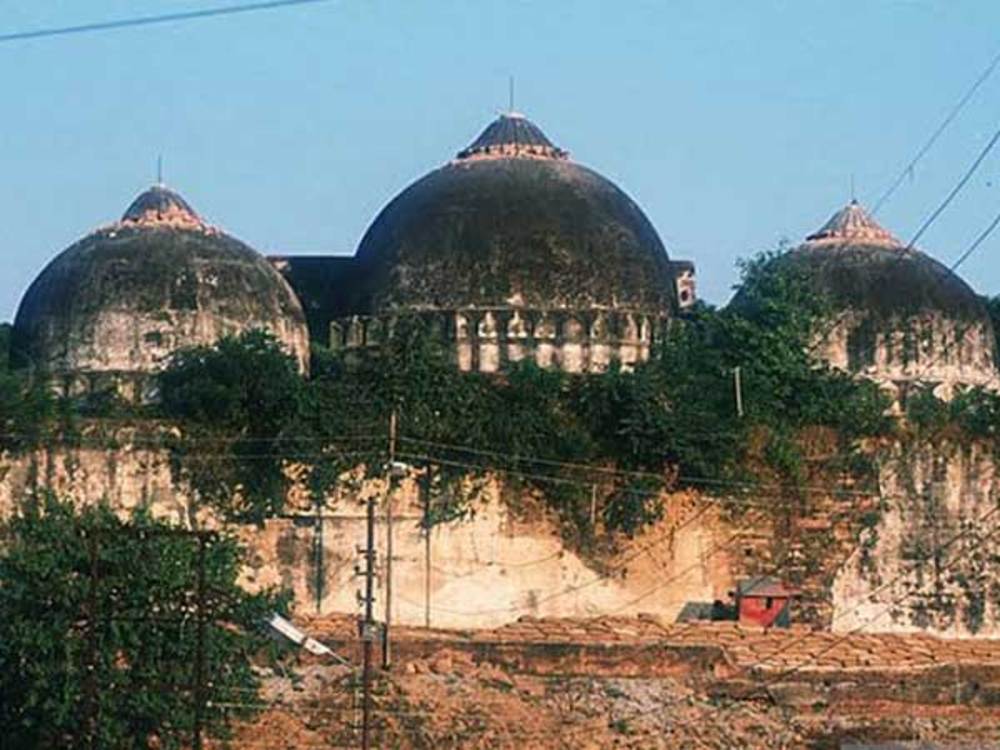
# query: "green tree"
5,335
239,407
99,637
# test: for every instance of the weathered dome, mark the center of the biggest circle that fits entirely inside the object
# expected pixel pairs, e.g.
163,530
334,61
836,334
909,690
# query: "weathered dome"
512,222
122,299
898,315
858,263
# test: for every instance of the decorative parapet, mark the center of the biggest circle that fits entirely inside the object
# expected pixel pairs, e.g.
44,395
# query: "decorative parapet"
927,349
135,387
488,339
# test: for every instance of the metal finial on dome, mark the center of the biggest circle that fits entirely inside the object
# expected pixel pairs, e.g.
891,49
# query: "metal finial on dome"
512,135
161,206
853,224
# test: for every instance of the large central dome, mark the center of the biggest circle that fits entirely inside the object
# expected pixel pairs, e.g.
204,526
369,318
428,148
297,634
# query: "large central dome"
513,222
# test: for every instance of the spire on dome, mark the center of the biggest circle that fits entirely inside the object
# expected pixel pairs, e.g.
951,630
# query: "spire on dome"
512,134
853,224
160,206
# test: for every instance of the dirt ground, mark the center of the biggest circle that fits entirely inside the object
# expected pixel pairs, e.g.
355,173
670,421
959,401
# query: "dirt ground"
442,692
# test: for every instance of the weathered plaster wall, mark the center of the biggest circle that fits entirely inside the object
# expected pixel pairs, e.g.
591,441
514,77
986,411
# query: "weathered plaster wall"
125,476
494,567
486,570
860,567
931,561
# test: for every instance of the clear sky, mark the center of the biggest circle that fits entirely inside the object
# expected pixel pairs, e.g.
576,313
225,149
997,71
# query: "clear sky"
733,124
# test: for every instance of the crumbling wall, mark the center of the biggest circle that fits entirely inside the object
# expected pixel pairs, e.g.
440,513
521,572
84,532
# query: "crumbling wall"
487,569
124,469
879,562
930,560
493,567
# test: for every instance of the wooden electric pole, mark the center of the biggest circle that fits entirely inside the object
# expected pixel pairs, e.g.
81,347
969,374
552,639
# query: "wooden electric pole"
389,481
368,627
425,484
738,390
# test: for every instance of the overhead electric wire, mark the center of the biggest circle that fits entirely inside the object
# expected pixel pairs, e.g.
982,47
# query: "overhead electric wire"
976,243
927,223
732,483
952,114
882,610
955,190
150,20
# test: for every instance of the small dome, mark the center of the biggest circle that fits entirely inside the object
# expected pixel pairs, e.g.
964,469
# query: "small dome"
512,221
858,263
512,134
160,206
898,315
123,298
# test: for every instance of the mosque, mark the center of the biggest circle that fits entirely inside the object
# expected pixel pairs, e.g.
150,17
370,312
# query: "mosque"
511,250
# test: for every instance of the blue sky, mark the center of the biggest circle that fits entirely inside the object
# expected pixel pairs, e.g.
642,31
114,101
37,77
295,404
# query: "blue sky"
734,125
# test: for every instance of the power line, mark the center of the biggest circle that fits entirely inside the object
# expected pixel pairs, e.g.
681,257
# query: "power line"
977,242
124,23
956,190
683,479
966,98
974,526
902,254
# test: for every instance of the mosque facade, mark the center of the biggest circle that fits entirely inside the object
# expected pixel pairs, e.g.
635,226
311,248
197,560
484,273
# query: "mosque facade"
510,251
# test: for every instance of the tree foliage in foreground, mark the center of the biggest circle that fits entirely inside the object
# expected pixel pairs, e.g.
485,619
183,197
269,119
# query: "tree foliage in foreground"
100,629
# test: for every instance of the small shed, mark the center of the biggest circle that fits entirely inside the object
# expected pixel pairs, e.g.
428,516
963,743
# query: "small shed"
764,601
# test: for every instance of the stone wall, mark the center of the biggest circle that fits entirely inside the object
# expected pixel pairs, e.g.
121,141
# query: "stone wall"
491,568
880,562
486,570
930,559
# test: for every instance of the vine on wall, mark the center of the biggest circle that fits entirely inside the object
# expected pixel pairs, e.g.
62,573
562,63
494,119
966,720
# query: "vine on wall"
245,416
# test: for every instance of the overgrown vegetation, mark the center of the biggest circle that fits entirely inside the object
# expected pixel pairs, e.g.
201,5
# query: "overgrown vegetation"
102,639
247,417
249,425
27,410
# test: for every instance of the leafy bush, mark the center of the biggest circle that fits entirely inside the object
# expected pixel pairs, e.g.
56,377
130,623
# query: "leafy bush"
239,403
27,411
100,630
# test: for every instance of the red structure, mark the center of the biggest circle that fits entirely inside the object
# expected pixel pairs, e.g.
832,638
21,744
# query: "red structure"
764,601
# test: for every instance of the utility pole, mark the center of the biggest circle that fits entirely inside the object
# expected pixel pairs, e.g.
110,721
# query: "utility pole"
318,542
199,657
738,388
368,628
425,487
389,479
91,685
